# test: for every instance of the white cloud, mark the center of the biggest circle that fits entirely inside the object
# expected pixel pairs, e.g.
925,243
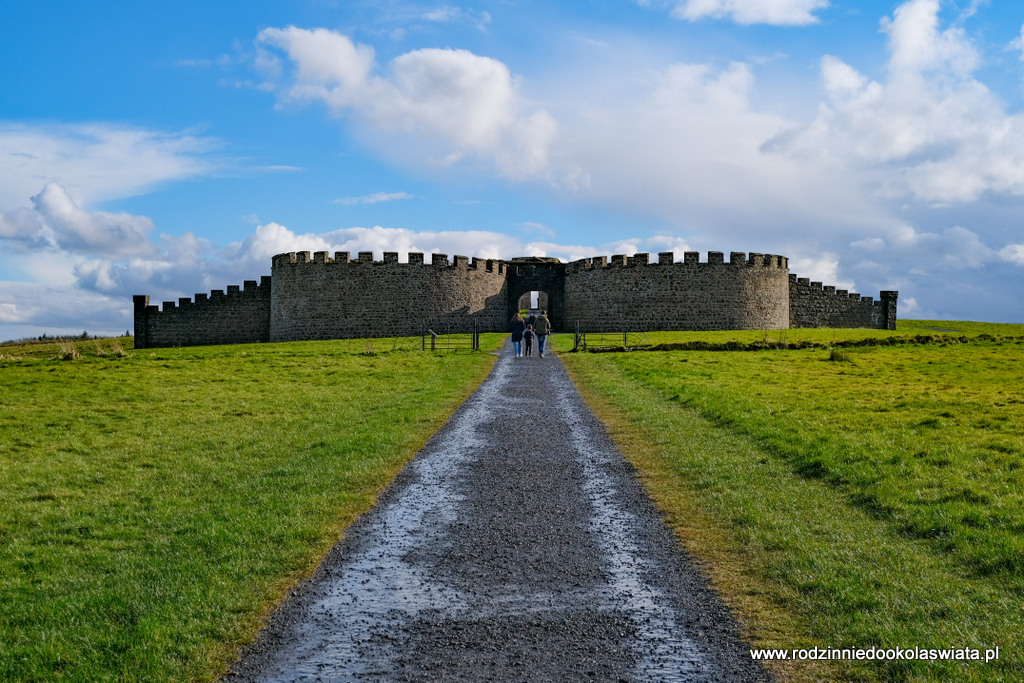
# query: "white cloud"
917,45
690,149
778,12
908,307
325,62
823,267
375,198
57,222
931,131
451,14
444,105
95,162
1013,253
443,14
30,309
536,228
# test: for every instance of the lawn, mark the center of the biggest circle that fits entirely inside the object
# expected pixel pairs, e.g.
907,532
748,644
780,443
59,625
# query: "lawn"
851,497
155,504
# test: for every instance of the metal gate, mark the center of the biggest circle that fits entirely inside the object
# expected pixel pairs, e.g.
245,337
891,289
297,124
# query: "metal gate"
441,338
625,340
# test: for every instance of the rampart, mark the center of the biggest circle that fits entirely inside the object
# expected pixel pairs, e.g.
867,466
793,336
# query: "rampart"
236,317
747,292
337,297
812,304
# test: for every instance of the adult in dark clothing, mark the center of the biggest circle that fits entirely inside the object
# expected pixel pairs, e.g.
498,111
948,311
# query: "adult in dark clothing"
542,328
517,327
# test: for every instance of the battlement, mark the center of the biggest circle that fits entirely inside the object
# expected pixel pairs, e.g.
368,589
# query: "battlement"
813,304
232,316
249,289
365,258
690,258
321,295
816,287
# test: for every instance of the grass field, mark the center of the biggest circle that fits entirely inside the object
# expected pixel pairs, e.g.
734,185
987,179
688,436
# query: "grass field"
155,503
841,498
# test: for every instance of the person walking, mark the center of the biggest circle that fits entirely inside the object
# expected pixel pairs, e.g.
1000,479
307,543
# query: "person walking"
517,327
528,338
542,329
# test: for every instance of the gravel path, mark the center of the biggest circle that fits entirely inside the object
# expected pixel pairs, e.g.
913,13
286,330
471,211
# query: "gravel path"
517,546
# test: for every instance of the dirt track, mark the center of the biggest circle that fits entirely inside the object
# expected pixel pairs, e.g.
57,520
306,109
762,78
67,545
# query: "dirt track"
517,545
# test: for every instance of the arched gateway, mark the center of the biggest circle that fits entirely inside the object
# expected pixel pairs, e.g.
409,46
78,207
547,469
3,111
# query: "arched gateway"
538,274
326,297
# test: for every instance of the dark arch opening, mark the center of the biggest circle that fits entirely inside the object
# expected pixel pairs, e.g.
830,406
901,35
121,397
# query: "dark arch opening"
541,275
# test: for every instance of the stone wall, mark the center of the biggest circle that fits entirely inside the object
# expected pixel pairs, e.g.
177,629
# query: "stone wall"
237,317
814,305
748,292
338,298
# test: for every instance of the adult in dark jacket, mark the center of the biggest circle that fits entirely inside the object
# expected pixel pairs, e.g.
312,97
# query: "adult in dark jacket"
517,327
542,328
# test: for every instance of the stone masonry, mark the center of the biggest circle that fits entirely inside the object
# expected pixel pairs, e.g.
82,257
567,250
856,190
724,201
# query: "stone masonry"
337,297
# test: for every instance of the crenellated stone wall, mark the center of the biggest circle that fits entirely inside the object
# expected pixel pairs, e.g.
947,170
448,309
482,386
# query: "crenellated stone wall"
337,297
812,304
747,292
236,317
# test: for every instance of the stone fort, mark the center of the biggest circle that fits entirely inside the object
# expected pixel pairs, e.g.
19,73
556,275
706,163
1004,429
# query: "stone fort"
338,297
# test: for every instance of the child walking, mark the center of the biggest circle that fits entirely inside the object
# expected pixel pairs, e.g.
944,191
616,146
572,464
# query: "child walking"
528,338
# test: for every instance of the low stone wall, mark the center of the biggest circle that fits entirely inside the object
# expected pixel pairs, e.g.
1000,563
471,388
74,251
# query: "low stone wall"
813,305
235,317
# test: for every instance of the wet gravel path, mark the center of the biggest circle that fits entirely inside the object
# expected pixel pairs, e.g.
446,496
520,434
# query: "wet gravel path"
517,546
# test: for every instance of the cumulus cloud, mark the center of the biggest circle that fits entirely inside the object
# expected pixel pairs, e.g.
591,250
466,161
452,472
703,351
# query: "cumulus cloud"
930,131
55,221
446,105
95,162
823,267
778,12
689,149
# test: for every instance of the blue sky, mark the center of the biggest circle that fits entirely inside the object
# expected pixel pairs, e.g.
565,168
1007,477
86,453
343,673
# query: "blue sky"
173,148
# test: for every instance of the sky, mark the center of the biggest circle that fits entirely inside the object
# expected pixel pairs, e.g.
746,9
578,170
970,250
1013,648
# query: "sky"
170,149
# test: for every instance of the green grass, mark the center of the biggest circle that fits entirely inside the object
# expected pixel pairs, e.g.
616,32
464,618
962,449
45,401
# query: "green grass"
920,331
866,497
154,505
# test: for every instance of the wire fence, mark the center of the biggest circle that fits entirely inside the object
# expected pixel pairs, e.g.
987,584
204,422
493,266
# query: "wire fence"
626,340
